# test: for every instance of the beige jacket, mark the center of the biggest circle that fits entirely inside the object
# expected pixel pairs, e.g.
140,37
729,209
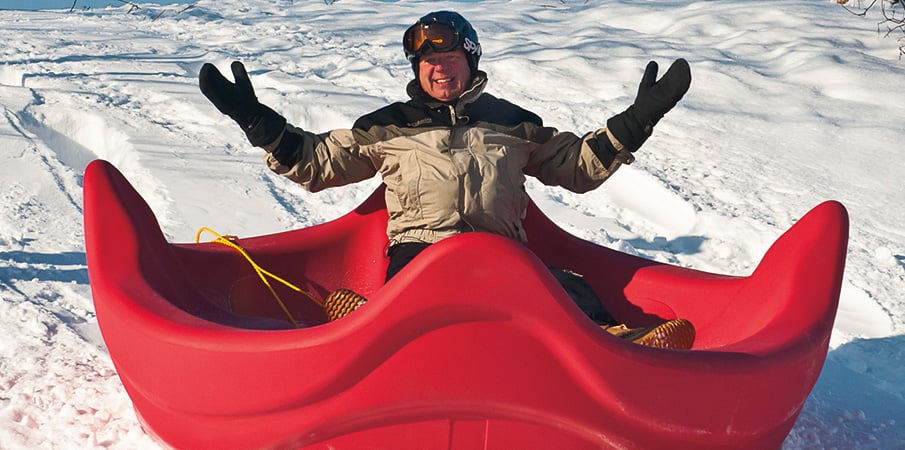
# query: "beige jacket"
449,168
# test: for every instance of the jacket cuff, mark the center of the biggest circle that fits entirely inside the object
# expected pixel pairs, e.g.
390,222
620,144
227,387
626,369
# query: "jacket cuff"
623,154
270,147
287,148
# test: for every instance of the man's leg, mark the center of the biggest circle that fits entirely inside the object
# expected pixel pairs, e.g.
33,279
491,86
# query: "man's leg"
402,254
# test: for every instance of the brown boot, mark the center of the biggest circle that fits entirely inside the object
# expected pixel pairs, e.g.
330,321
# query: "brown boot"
675,334
341,302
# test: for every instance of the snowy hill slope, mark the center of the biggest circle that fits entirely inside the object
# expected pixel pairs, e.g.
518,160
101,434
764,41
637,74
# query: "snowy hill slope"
792,103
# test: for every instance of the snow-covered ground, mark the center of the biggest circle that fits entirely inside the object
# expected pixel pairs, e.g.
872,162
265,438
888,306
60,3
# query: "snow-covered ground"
792,103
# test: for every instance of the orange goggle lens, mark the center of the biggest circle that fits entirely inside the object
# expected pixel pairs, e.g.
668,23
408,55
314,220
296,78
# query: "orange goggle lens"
440,37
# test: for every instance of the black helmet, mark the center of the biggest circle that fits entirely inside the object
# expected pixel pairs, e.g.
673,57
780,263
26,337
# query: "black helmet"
442,31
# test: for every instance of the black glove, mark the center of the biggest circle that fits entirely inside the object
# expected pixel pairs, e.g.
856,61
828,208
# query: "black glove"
655,98
261,124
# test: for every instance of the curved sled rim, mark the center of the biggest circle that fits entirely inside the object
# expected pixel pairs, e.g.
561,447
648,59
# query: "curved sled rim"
503,318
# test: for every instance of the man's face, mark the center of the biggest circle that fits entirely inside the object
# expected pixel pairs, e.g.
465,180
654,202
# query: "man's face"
444,76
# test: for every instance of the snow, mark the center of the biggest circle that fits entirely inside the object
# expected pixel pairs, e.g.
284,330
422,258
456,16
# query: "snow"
792,103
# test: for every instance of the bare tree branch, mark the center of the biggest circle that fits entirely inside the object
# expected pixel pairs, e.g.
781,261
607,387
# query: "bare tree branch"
132,6
892,12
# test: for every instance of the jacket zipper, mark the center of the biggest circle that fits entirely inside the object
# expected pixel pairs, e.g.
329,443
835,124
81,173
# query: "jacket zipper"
454,120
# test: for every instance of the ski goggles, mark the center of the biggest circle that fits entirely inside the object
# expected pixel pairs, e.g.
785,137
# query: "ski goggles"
440,37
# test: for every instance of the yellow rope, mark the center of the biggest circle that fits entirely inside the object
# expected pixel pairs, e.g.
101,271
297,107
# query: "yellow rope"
230,241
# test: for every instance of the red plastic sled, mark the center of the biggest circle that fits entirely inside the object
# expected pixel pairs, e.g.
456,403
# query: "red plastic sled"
473,345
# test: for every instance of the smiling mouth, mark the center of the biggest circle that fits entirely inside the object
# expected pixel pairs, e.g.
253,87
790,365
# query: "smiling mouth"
443,80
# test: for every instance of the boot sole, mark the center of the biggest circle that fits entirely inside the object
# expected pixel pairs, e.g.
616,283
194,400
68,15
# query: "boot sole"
341,302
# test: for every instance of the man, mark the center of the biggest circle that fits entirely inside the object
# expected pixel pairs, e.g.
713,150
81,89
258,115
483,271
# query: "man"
454,158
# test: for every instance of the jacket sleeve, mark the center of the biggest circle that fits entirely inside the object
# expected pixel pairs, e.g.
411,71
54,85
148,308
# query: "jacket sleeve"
320,161
579,164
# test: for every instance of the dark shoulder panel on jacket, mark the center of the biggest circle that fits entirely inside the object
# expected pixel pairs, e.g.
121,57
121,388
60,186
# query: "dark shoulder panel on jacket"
393,120
406,115
488,108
